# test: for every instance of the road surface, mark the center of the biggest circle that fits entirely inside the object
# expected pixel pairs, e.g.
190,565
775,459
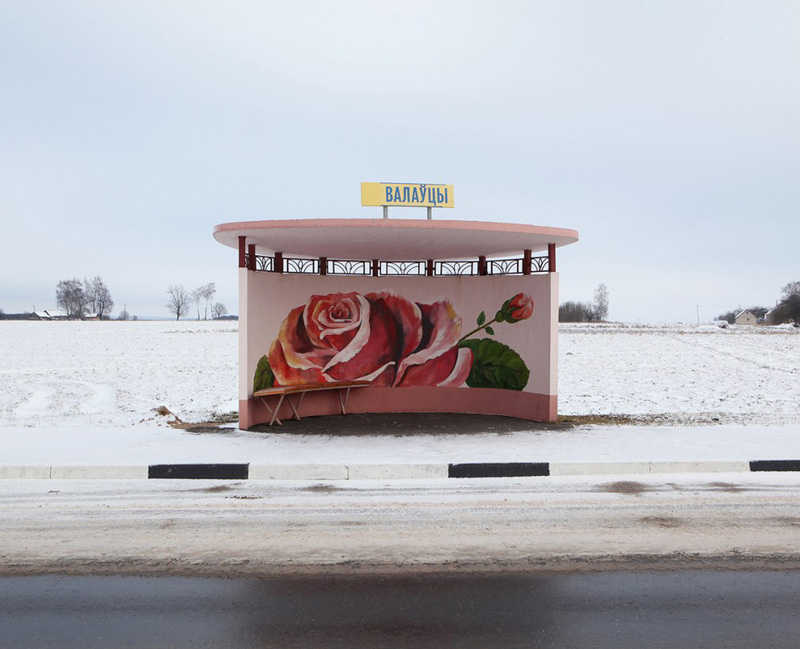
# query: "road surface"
725,610
272,528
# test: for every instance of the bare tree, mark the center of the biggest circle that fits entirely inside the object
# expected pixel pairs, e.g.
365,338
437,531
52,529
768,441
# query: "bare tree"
197,296
601,302
178,300
219,310
98,297
71,297
792,288
209,291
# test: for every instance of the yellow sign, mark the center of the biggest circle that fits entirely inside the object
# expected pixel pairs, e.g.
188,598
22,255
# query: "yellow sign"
407,194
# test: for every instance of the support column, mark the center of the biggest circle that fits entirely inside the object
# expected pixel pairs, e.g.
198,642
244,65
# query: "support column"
483,268
278,266
429,268
323,265
251,256
551,258
376,267
526,261
242,252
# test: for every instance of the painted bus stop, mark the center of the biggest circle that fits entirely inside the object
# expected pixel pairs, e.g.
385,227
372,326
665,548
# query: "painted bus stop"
424,315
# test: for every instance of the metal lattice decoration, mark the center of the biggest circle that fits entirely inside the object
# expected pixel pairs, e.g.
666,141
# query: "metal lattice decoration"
402,268
455,268
298,265
264,263
504,266
349,267
540,264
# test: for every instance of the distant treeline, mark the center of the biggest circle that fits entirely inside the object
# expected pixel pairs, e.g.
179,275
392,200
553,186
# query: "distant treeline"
597,311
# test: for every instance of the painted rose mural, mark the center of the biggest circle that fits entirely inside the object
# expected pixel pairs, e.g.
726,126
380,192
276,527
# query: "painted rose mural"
384,338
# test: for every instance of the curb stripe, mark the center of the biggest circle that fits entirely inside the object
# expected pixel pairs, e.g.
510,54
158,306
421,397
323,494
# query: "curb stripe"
222,471
199,471
498,469
775,465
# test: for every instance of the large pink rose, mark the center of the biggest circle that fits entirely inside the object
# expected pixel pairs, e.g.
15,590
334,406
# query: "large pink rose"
379,337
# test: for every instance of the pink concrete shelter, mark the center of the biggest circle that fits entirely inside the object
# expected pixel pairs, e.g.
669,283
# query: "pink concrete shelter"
434,316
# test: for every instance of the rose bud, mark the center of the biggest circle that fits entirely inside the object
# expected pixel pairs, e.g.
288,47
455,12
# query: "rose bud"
519,307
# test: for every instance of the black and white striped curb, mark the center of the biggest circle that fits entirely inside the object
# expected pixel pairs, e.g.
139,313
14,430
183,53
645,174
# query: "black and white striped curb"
236,471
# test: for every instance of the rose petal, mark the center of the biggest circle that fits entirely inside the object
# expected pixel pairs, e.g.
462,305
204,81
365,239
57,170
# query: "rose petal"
298,351
444,370
408,316
361,337
287,375
374,346
324,328
441,331
461,369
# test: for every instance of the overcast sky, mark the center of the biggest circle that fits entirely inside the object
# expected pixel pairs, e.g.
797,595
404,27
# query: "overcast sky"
667,133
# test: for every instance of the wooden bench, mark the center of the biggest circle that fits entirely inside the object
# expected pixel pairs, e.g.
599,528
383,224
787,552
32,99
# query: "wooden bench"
284,393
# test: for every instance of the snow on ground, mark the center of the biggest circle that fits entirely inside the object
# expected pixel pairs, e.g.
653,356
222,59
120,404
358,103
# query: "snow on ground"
141,445
115,373
747,374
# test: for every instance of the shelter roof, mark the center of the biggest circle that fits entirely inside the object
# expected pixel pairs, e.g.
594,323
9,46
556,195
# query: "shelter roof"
392,238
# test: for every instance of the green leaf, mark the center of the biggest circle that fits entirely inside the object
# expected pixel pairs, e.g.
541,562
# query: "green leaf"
495,365
264,377
499,316
481,318
490,331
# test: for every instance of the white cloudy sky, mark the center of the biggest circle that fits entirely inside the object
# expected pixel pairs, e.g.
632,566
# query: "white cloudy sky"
667,133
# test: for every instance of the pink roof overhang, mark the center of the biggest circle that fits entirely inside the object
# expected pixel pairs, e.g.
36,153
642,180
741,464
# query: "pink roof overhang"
392,239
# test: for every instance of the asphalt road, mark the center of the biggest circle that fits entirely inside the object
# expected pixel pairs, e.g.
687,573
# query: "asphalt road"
686,609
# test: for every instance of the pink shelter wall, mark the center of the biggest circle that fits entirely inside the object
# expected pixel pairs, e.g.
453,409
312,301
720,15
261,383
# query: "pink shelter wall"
267,299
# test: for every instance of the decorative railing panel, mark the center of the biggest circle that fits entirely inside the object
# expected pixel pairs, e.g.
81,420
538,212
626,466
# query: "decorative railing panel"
264,263
403,268
300,265
540,264
504,266
455,267
349,267
363,267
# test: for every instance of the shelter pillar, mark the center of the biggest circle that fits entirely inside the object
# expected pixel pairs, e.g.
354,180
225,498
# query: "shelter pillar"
376,267
323,265
242,252
551,258
251,256
483,268
278,267
429,268
526,261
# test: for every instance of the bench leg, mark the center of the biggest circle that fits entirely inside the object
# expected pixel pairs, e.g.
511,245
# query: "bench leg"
343,401
277,410
292,406
273,413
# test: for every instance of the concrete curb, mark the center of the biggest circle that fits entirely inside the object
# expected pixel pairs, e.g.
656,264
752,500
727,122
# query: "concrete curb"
243,471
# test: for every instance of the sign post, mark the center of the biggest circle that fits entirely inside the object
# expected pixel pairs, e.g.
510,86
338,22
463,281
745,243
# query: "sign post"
407,195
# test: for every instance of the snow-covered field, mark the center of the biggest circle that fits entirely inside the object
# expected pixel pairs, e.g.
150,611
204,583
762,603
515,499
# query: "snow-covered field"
115,374
739,374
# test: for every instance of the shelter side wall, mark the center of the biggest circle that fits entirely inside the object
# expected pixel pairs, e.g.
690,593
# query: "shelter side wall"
245,383
513,373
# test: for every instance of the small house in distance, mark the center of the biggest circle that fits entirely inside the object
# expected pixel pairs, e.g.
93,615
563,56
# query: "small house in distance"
745,317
